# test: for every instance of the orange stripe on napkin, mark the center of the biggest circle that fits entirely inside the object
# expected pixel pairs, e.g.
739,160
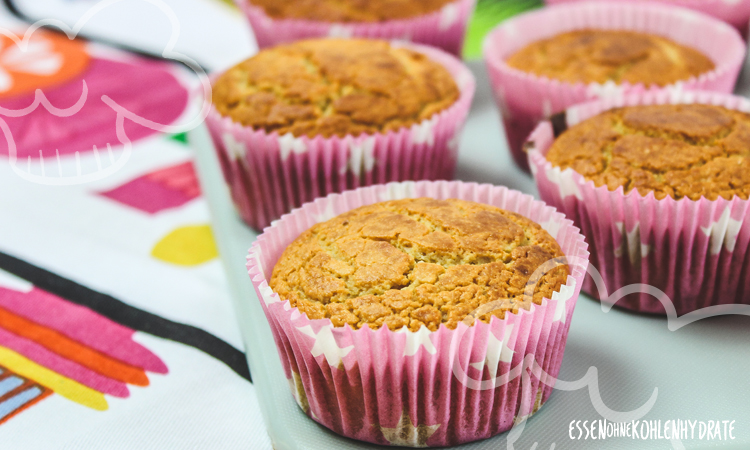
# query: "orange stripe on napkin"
72,350
48,60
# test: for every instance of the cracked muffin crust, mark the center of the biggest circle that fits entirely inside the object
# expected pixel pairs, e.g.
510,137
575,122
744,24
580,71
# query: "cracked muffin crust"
602,55
414,262
349,10
687,150
334,87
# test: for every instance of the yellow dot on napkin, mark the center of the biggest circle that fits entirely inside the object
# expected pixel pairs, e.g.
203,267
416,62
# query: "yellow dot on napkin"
187,246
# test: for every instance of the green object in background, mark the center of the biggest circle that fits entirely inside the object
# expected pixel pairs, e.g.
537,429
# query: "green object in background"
180,137
488,14
229,2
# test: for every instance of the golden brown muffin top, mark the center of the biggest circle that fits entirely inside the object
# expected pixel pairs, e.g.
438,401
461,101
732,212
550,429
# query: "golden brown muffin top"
673,150
602,55
349,10
334,87
414,262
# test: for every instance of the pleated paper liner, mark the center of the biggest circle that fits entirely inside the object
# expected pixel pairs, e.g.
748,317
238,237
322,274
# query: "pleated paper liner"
420,388
734,12
444,28
269,175
525,99
696,252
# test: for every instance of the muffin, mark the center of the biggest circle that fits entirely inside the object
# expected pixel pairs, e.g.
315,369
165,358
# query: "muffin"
416,262
735,13
678,151
302,120
599,56
545,61
372,297
334,87
661,190
439,23
349,11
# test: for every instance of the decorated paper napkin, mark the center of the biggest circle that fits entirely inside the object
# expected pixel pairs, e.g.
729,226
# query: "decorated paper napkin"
116,328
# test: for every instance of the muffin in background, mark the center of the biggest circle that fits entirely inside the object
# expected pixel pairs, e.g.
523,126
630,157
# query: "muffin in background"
678,151
350,10
601,56
334,87
301,120
660,187
734,12
378,289
645,47
439,23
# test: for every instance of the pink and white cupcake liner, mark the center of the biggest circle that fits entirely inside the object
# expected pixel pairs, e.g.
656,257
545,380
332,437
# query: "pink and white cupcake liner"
734,12
695,252
444,28
269,175
525,98
420,388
